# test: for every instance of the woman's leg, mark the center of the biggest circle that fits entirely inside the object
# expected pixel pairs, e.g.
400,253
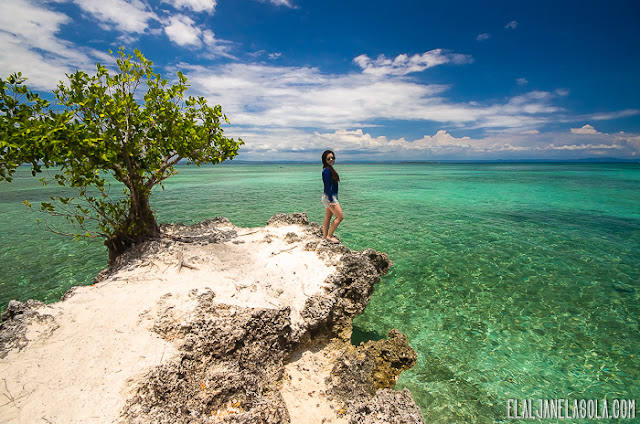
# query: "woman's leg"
325,224
337,211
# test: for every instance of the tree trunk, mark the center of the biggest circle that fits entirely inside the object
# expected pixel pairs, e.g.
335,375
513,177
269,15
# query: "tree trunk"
139,226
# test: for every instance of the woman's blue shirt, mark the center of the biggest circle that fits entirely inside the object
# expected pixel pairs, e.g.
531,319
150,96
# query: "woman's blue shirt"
330,186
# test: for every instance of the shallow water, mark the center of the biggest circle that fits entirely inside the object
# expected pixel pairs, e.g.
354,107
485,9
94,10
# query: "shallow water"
511,280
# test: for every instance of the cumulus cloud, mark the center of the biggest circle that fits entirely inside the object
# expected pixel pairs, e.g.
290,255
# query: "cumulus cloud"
587,129
30,39
358,144
195,5
483,37
440,142
133,17
126,16
209,37
403,64
512,25
29,43
264,95
305,97
182,31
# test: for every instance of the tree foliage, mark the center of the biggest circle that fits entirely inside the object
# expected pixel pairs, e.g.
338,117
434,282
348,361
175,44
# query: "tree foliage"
129,126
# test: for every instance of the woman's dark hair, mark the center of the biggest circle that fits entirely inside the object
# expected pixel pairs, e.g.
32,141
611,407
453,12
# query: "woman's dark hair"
334,174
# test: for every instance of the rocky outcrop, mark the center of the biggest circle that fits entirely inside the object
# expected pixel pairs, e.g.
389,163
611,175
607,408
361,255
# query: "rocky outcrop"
331,315
363,375
298,218
388,407
361,371
230,360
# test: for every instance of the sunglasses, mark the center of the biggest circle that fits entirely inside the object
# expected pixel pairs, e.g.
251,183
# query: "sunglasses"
330,158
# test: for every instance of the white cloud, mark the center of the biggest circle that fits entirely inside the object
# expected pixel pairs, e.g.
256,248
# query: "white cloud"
483,37
216,47
512,25
287,3
208,37
195,5
29,44
612,115
127,16
182,31
534,102
403,64
522,81
304,97
273,96
35,26
290,143
30,39
587,129
583,147
41,72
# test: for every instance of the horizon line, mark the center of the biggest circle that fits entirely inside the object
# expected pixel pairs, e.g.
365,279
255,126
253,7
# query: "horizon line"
444,161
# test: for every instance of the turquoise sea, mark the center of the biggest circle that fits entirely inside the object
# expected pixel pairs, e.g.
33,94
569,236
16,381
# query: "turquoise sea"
512,281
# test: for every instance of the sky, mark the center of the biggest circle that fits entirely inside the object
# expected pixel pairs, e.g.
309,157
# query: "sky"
374,80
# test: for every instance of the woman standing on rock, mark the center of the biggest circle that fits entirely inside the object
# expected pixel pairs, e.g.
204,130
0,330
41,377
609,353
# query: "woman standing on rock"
330,178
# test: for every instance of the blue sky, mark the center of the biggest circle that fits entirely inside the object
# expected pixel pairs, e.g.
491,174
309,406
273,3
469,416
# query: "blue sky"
375,80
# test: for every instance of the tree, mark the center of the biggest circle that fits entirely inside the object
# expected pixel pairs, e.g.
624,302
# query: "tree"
102,130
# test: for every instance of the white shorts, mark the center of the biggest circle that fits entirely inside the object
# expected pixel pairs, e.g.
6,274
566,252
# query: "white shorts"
326,203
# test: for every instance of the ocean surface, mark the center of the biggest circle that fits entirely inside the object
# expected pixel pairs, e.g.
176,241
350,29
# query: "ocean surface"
512,281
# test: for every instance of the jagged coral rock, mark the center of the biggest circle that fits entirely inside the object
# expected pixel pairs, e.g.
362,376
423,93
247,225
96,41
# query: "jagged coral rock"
299,218
391,356
230,359
387,407
331,315
361,372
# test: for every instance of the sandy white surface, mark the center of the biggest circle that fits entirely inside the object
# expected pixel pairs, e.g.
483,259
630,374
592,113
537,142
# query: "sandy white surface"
83,369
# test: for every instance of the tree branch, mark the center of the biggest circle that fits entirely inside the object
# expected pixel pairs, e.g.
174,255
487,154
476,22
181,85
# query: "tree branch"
118,171
168,162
